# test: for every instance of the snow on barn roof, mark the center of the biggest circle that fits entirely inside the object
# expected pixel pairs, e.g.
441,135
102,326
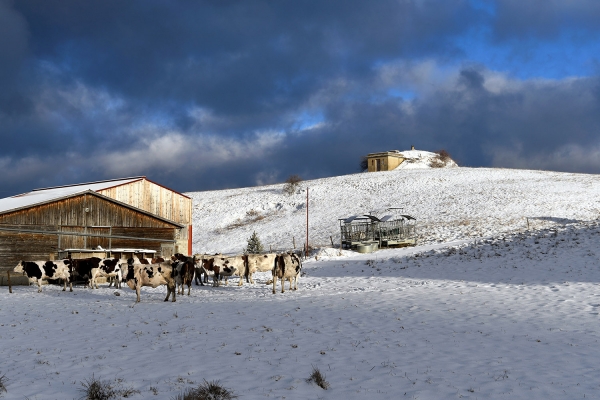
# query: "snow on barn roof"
44,195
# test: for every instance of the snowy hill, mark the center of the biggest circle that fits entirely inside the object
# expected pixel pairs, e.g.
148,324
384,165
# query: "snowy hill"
513,315
449,204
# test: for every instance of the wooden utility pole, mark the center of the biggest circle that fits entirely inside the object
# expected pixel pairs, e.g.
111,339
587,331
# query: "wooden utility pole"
306,253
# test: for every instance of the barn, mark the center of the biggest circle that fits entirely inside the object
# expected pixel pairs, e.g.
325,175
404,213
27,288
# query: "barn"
123,215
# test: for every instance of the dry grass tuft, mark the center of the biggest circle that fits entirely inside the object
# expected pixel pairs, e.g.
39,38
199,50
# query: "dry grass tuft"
207,391
95,389
3,381
318,378
252,216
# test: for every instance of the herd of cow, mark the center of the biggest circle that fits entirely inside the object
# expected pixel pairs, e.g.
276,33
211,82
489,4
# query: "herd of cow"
175,272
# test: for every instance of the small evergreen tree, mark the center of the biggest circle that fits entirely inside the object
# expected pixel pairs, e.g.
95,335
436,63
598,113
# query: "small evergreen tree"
254,245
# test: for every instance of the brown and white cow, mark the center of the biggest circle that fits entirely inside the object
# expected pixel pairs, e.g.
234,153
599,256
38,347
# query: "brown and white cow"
152,275
259,263
108,268
219,267
183,271
199,270
37,271
287,266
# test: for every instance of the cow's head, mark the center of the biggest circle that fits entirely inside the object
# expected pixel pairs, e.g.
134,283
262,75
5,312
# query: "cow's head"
19,268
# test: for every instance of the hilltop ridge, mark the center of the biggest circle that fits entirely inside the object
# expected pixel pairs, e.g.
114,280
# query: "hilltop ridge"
448,203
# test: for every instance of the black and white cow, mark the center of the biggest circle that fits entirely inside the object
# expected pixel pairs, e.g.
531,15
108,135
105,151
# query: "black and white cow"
84,269
287,266
152,275
109,268
37,271
183,271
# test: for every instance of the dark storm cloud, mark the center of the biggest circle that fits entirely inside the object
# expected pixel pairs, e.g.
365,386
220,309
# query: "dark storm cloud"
214,94
546,19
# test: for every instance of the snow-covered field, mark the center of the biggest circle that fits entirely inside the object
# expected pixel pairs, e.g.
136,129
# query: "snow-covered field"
482,308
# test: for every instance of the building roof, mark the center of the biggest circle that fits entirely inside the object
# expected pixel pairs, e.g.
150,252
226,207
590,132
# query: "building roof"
48,195
44,195
391,153
92,193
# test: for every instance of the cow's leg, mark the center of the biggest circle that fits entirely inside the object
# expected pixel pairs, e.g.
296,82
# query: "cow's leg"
296,282
282,285
171,288
241,282
137,292
274,283
39,283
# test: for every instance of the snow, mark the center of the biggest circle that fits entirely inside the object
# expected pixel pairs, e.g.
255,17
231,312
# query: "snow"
482,308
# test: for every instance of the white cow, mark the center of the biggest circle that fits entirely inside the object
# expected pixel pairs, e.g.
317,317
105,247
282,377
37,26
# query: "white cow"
37,271
259,263
239,265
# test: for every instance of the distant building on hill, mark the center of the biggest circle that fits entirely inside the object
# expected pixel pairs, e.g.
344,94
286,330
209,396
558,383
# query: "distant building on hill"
385,161
408,159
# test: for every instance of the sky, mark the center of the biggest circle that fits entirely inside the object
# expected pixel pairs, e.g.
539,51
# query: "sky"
202,95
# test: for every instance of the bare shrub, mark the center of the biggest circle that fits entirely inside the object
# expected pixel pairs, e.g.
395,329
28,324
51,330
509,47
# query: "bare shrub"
291,184
207,391
364,164
444,155
318,378
440,160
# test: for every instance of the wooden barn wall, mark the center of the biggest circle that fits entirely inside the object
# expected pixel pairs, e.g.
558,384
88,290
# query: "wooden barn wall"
71,212
153,198
69,216
15,246
154,233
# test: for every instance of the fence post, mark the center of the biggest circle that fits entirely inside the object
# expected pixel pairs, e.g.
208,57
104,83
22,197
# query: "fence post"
294,242
9,285
331,238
